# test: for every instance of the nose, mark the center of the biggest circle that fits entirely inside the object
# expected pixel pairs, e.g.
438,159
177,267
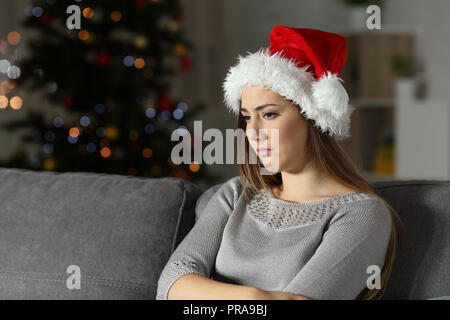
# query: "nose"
255,133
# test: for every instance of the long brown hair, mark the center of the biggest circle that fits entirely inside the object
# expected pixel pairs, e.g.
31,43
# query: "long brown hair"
329,157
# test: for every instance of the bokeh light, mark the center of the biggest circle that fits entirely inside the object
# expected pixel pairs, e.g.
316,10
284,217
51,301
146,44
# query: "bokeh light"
3,102
74,132
150,113
85,121
37,11
139,63
105,152
147,153
13,72
128,61
83,35
14,37
194,166
88,13
116,16
149,128
16,102
183,106
58,122
4,65
178,114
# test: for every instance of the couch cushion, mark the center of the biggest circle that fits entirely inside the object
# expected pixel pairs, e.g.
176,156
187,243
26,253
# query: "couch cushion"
421,269
119,230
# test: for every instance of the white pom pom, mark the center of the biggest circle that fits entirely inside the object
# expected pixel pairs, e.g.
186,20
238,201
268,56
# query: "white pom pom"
329,95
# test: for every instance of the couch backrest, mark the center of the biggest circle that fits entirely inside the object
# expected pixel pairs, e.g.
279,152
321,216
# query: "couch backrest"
422,267
421,270
118,230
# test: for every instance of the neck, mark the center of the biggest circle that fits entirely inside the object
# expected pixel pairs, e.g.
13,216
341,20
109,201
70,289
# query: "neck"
307,181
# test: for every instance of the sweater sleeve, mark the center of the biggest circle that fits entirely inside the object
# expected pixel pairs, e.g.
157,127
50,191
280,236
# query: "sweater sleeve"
356,238
198,250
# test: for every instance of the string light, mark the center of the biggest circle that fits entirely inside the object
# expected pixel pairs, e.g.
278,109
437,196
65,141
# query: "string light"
4,65
150,113
16,102
3,102
147,153
88,13
112,132
128,61
37,11
72,139
105,152
58,122
194,166
116,16
83,35
178,114
74,132
183,106
140,42
13,72
14,37
85,121
139,63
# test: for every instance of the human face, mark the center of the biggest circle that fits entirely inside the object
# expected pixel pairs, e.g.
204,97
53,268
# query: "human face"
266,109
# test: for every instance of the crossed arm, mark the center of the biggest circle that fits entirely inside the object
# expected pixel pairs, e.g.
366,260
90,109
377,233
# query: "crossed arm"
198,287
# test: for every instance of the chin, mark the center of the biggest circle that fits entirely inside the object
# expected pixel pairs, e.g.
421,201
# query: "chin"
267,162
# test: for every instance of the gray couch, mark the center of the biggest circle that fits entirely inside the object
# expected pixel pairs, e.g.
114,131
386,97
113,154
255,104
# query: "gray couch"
79,235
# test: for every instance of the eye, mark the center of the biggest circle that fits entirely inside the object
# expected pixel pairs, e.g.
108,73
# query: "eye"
273,114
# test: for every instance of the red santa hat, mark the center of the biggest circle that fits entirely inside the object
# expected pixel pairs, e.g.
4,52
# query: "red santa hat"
302,65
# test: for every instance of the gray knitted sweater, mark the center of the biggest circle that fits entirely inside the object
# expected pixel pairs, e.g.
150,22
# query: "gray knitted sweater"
321,250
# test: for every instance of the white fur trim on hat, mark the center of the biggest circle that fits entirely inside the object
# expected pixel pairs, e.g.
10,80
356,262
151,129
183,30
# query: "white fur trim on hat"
325,100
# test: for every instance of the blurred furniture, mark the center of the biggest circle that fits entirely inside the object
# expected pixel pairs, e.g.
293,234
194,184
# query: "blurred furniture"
120,231
375,59
423,139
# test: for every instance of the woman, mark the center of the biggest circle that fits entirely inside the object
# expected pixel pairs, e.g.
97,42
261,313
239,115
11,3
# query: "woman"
314,228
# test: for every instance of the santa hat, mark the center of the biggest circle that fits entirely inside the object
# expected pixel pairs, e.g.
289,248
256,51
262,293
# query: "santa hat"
302,65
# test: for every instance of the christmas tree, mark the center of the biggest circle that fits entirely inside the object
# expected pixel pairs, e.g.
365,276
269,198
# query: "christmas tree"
111,81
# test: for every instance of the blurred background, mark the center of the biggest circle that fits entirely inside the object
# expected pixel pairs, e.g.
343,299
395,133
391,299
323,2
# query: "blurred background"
107,97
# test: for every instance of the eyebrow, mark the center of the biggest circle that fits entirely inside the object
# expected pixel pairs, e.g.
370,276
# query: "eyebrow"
261,107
